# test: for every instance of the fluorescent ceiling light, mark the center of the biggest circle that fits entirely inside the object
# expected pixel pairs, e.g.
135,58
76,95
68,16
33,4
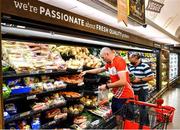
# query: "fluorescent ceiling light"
55,36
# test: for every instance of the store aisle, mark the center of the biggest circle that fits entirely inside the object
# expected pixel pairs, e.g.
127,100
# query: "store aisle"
172,98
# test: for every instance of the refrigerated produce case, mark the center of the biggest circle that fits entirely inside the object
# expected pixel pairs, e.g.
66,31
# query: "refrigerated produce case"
174,72
39,82
173,66
165,69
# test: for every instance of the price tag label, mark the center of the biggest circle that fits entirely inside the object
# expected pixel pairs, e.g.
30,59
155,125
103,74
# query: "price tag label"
157,45
96,122
79,70
31,97
25,114
96,92
166,47
51,123
49,71
34,72
81,84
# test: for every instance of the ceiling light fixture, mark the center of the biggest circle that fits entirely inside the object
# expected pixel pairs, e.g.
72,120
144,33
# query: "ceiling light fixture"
55,36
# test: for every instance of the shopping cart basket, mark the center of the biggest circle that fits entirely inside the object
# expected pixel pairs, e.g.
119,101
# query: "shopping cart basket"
165,110
145,115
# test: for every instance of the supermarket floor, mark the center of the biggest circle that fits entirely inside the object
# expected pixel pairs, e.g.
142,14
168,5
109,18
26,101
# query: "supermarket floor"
172,98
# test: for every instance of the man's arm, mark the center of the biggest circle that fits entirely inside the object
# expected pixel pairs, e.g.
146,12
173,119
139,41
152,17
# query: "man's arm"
121,82
149,75
121,67
93,71
149,78
145,79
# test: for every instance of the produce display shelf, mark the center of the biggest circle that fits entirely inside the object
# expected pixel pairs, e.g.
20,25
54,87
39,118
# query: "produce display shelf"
152,92
110,123
103,76
21,75
32,96
30,113
165,78
164,69
92,82
91,91
165,61
173,80
51,123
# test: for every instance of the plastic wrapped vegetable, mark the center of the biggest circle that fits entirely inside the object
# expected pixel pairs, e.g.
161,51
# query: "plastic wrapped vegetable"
6,91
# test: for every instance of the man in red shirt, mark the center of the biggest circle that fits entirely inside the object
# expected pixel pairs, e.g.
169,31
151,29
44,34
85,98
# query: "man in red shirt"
119,76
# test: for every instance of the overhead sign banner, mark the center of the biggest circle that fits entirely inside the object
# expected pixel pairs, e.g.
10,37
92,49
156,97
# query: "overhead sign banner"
154,6
137,11
122,7
41,12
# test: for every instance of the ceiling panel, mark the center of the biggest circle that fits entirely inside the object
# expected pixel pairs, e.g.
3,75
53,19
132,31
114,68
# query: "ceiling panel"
169,17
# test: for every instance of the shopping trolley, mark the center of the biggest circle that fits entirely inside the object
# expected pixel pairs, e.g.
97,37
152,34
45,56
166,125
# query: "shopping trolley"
142,115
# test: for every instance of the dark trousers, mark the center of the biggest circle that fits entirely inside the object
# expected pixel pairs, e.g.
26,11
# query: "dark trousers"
119,107
142,96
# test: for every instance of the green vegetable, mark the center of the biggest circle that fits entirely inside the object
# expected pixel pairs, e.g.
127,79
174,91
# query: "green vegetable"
5,68
6,91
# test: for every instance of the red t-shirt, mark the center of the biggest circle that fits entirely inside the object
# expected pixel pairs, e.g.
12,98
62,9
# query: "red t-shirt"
114,68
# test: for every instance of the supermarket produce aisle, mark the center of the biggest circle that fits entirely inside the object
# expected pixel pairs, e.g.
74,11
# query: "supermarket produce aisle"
171,98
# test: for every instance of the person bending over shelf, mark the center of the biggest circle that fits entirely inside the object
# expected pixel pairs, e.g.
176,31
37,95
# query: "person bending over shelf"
120,82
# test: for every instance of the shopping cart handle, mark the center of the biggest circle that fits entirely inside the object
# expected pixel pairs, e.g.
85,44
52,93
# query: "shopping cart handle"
146,104
141,103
